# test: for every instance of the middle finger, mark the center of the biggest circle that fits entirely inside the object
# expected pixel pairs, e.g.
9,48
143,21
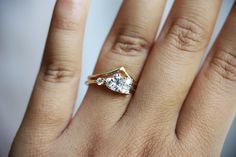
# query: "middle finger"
173,62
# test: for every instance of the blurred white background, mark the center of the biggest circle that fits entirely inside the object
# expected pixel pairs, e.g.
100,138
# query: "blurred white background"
23,30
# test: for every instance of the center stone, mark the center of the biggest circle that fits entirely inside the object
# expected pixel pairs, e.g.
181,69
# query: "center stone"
119,84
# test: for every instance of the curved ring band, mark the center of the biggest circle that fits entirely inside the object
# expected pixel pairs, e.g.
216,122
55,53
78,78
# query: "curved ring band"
117,80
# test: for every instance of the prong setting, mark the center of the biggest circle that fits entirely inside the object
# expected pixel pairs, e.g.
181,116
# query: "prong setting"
117,80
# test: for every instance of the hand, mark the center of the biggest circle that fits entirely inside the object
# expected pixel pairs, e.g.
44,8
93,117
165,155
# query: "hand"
164,117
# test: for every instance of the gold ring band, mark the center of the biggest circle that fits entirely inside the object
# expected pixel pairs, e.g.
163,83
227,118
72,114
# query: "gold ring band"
117,80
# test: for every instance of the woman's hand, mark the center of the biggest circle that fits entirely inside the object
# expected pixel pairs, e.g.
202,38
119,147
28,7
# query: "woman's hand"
172,113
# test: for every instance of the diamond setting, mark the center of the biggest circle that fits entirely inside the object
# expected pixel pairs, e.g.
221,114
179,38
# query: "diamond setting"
119,84
117,80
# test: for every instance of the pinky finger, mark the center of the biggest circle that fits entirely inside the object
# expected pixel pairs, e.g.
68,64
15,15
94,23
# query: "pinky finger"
54,94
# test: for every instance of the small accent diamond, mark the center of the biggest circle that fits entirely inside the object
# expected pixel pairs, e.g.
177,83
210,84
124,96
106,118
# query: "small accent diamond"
100,81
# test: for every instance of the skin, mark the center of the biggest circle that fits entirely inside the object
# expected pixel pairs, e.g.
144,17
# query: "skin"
175,110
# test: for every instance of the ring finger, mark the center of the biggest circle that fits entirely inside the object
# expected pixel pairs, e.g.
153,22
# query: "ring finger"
127,45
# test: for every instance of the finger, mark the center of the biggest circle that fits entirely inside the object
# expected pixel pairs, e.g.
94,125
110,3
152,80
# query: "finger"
210,107
54,93
127,45
173,62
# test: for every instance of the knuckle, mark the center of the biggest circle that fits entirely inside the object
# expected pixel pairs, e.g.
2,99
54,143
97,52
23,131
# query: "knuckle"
56,73
224,63
130,45
186,35
67,24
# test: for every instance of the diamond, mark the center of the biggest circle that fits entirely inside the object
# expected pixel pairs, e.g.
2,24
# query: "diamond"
127,84
114,83
100,81
128,81
119,84
117,80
